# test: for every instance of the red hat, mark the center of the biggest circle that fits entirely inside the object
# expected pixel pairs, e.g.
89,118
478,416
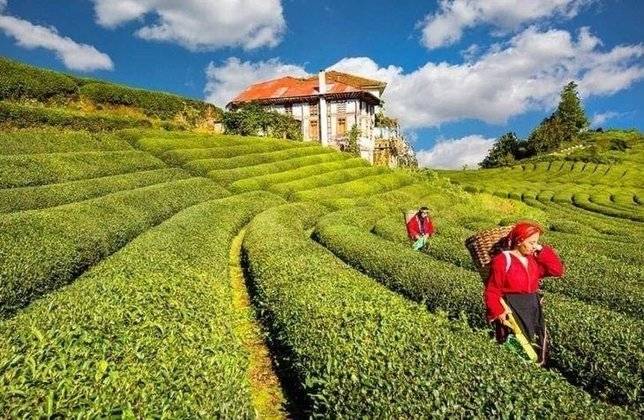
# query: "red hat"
521,231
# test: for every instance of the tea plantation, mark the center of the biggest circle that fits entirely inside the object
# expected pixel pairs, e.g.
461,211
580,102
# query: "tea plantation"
118,298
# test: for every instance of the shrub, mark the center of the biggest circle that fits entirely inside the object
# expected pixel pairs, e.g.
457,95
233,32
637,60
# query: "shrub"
204,166
28,198
328,179
604,364
159,143
276,179
355,349
25,116
361,187
253,119
21,81
182,156
139,331
45,249
228,176
155,104
30,170
52,141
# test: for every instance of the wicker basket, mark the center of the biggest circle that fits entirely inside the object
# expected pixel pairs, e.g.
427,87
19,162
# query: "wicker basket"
484,245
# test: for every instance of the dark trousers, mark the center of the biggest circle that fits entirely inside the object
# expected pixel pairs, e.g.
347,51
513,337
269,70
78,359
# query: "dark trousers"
528,312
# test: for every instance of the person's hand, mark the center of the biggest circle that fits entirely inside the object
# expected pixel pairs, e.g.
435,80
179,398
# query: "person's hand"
538,247
503,318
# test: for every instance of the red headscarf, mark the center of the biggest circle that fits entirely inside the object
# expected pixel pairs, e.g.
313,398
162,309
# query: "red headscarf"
521,231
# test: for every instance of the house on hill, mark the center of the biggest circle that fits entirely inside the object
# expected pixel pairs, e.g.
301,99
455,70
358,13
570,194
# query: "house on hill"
327,106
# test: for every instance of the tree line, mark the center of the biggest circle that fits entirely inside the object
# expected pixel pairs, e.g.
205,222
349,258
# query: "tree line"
563,126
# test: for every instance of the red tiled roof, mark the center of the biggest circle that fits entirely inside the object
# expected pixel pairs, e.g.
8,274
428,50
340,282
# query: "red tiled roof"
292,87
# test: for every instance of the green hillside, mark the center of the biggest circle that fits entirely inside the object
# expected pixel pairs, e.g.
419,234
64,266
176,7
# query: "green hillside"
154,273
34,97
601,177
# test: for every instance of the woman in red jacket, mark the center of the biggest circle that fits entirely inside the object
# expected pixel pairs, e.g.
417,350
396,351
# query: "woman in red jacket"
515,277
420,228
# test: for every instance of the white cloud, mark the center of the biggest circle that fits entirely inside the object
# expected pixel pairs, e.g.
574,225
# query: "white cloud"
364,66
226,81
75,56
526,73
446,26
455,153
3,4
600,119
200,24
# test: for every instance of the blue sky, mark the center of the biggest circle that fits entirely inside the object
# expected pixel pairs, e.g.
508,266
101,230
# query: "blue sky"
460,72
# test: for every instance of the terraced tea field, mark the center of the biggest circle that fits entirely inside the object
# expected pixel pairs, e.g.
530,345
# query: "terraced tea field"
157,274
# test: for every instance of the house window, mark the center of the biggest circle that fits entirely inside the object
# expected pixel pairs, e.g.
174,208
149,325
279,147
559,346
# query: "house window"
289,109
342,126
342,107
314,130
315,109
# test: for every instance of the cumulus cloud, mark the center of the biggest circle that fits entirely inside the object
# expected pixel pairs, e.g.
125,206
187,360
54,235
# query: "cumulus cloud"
446,26
227,80
75,56
199,24
600,119
523,74
455,153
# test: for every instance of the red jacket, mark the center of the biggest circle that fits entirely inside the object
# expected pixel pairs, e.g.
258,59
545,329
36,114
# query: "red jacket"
518,279
415,228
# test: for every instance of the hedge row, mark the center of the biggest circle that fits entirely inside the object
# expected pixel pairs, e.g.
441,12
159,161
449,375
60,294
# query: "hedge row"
28,198
265,181
157,104
203,166
613,229
593,354
588,268
20,81
159,142
582,200
146,333
13,115
446,245
617,251
23,82
358,350
31,170
328,179
45,249
361,187
182,156
228,176
55,141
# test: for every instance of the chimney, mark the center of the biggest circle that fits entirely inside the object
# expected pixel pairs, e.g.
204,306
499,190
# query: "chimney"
322,82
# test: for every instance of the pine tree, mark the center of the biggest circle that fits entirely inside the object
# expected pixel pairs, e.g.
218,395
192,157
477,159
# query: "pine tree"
503,153
570,112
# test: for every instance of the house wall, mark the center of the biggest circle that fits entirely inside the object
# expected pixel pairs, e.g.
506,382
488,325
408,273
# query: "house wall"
355,112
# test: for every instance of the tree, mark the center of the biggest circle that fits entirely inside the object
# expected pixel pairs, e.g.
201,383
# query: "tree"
353,147
252,119
547,136
503,153
570,112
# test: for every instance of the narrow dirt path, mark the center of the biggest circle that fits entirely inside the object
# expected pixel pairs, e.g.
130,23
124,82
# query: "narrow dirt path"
267,396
